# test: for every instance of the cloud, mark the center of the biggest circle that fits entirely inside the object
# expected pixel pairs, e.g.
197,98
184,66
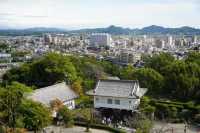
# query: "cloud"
7,14
87,13
34,16
22,15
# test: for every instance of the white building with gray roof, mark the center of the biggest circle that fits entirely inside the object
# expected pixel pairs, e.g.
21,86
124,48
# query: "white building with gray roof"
117,94
59,91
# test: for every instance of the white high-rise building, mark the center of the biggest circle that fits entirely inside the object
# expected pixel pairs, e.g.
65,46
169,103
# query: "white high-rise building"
145,38
170,42
100,40
126,56
47,38
163,44
195,40
55,40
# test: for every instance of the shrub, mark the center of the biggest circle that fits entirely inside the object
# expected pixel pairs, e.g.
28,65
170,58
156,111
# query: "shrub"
190,105
197,118
140,121
173,112
56,104
149,109
35,115
197,108
16,130
66,116
98,126
2,129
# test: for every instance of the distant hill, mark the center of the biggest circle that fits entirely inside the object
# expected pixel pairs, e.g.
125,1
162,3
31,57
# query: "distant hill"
43,29
111,30
115,30
153,29
162,30
30,31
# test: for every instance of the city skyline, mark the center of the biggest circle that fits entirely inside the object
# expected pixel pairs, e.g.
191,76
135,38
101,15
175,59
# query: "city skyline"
79,14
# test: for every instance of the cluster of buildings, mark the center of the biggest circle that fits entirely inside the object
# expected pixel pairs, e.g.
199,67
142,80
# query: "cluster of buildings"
100,40
112,93
119,49
115,95
124,50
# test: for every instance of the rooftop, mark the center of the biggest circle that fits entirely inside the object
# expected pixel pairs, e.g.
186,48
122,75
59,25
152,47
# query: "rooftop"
118,88
59,91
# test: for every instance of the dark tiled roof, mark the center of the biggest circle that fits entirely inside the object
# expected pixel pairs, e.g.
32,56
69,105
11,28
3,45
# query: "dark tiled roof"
59,91
118,88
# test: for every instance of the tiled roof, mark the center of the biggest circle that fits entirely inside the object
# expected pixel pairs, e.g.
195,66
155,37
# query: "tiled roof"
59,91
118,88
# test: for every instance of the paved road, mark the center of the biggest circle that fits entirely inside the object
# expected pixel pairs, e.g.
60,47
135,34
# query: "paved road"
177,128
75,129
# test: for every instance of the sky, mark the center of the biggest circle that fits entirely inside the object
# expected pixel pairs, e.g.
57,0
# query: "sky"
77,14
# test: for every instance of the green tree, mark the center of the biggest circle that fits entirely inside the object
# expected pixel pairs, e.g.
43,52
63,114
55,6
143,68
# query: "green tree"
173,112
93,71
88,67
110,68
193,57
127,72
76,86
35,115
151,79
182,80
89,84
88,70
66,116
140,122
45,71
11,98
85,115
159,61
21,74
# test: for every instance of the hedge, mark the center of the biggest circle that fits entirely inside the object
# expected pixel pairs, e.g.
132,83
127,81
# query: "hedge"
169,105
169,102
175,104
98,126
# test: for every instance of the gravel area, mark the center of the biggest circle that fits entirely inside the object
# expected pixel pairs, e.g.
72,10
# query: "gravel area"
75,129
177,128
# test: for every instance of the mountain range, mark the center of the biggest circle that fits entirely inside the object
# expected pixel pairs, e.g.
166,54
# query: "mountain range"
115,30
153,29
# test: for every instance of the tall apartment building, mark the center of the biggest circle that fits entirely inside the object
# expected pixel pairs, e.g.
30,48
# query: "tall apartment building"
47,38
100,40
126,57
